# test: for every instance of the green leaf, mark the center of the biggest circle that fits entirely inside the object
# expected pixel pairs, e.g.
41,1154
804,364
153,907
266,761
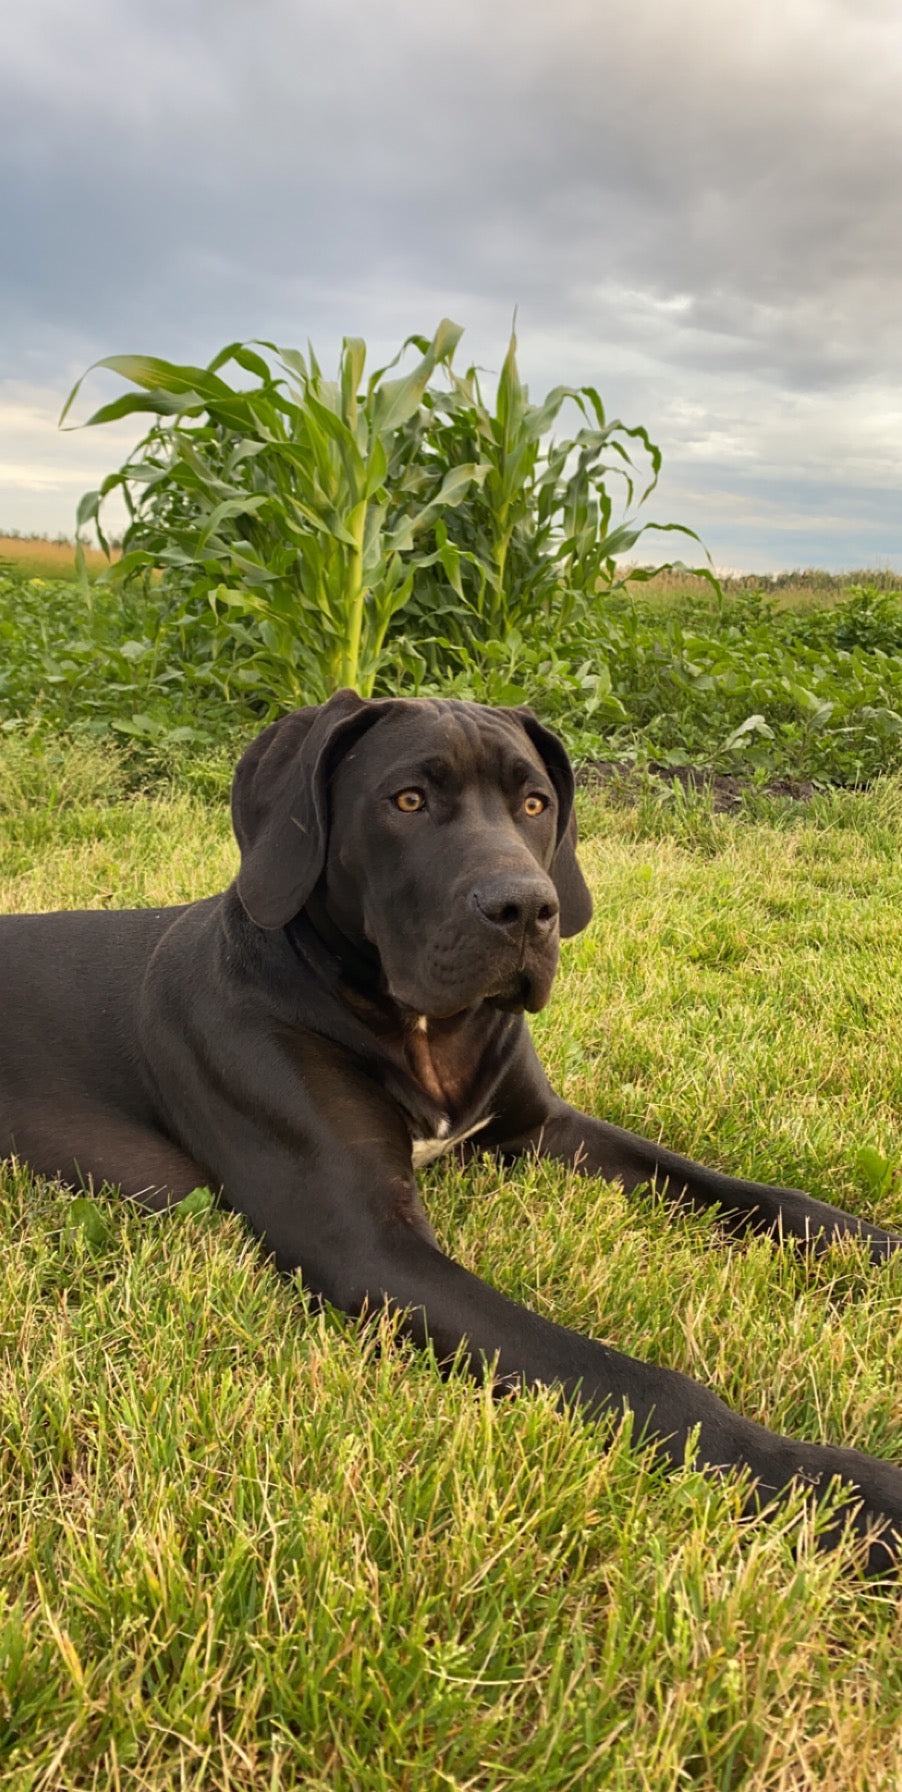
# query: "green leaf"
84,1216
166,376
446,339
751,725
200,1200
875,1170
142,726
230,507
244,357
396,401
157,403
377,467
338,432
455,483
353,362
88,506
511,395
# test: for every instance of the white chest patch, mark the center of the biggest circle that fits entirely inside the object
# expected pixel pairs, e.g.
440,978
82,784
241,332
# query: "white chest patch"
424,1151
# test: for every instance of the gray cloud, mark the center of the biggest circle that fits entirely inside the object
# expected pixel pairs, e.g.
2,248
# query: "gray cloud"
695,206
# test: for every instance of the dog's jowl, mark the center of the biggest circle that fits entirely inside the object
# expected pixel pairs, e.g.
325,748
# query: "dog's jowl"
352,1005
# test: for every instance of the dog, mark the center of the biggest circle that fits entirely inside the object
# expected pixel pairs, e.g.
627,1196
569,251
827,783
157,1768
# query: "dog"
354,1004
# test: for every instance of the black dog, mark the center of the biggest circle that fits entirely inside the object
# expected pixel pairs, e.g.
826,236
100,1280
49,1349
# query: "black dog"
352,1005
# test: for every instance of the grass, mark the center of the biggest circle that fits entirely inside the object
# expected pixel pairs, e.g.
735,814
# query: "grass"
242,1548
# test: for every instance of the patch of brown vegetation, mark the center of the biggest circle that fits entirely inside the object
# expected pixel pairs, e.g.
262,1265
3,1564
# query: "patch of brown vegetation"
42,559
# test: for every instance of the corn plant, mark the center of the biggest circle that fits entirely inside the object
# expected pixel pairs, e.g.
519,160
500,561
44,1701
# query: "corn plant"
536,540
296,505
340,531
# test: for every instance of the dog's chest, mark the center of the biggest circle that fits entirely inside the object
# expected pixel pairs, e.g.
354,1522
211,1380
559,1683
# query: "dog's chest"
443,1070
425,1151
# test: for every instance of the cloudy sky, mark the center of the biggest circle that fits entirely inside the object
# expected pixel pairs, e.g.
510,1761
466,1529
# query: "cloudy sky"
695,204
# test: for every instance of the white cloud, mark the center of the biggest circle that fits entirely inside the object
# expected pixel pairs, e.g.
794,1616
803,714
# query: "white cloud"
40,484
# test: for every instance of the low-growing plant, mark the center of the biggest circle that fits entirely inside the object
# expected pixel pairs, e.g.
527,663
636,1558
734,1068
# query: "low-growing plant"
754,691
765,693
91,660
871,617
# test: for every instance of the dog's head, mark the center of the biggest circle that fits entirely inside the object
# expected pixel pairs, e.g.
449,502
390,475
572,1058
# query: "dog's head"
438,834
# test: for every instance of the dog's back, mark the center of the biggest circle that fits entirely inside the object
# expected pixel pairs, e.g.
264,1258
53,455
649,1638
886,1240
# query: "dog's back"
70,986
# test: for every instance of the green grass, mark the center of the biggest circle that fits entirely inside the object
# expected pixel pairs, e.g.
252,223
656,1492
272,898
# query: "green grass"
240,1547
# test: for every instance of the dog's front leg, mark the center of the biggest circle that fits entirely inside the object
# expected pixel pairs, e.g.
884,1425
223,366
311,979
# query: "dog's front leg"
391,1261
597,1148
320,1164
358,1236
530,1117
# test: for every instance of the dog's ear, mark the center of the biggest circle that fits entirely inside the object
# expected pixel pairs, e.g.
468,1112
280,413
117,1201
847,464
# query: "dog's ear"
280,803
573,892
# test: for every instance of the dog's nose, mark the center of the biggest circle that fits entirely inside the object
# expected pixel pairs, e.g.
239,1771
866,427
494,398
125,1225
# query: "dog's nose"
518,905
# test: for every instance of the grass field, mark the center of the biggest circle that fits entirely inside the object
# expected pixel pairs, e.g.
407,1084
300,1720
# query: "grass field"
240,1548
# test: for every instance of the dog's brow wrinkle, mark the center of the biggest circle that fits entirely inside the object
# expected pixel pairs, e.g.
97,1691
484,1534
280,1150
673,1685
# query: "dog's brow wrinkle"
437,769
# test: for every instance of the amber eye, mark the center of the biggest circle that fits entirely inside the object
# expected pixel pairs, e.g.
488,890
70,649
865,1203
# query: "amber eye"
409,801
535,805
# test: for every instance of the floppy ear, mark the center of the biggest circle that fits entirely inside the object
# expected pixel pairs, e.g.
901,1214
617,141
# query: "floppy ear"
573,892
280,803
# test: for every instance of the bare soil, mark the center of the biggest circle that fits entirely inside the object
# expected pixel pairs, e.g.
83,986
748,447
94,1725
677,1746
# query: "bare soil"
625,783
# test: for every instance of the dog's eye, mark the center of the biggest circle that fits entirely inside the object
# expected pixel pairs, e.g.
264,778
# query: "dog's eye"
409,801
535,805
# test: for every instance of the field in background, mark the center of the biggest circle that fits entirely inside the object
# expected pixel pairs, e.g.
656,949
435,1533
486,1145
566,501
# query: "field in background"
801,589
239,1547
36,557
39,557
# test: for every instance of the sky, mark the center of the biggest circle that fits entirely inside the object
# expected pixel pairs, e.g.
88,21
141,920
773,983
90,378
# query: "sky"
694,205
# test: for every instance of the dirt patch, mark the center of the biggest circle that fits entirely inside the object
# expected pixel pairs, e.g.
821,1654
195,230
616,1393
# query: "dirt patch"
622,781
